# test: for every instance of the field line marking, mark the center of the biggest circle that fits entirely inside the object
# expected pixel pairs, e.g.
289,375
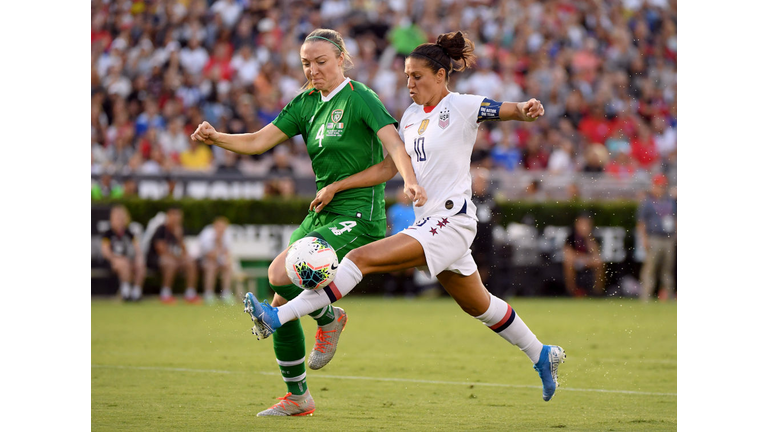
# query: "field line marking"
366,378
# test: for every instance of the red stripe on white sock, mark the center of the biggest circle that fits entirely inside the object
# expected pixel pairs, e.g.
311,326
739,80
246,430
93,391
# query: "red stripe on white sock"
503,320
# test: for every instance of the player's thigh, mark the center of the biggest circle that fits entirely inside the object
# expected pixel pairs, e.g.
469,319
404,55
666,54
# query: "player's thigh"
398,252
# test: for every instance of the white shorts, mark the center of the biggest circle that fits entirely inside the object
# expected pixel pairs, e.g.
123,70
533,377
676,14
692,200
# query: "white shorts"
446,242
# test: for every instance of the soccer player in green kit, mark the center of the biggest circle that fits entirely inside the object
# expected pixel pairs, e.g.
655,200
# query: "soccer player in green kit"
344,125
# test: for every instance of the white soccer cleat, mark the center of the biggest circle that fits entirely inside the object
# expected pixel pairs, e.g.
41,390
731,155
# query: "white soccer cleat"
327,340
291,405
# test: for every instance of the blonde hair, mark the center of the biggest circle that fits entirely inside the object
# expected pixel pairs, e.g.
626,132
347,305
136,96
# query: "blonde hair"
334,38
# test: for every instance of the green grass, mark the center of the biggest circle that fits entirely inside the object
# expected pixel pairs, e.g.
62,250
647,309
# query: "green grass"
183,367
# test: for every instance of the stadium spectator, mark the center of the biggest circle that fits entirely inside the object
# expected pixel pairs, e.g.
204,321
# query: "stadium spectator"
168,254
561,161
657,230
535,157
121,249
106,187
598,66
197,157
644,149
215,243
596,159
581,257
174,141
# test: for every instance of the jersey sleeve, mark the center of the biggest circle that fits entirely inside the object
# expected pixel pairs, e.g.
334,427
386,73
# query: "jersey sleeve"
373,112
468,106
288,121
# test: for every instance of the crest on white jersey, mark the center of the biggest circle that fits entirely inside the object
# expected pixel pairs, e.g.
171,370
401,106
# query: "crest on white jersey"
423,126
444,119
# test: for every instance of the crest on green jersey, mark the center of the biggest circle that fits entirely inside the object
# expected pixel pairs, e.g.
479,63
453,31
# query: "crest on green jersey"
336,115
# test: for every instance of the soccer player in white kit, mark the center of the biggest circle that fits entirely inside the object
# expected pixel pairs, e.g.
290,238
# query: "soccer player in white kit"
439,130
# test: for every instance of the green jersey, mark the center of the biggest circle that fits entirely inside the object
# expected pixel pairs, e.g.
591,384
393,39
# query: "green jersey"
340,133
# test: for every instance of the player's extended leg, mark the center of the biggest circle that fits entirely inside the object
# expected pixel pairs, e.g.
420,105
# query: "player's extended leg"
330,320
290,351
387,255
498,315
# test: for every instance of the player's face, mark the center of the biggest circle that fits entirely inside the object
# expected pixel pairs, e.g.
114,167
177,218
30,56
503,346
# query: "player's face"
321,66
424,85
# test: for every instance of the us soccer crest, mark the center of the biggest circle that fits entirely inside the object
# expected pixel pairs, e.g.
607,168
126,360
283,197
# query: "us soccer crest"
444,119
423,126
336,115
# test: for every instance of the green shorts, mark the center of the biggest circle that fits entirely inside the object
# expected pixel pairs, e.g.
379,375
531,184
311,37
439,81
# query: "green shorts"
343,233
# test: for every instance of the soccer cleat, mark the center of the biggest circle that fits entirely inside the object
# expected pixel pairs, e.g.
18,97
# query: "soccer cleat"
327,339
291,405
193,299
169,300
550,358
264,316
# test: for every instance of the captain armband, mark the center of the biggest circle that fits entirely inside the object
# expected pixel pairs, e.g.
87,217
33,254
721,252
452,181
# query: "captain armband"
490,110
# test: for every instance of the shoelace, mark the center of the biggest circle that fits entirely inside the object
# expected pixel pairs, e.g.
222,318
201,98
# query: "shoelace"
322,339
283,400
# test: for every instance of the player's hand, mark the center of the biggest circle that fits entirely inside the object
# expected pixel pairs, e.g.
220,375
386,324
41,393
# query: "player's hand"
531,110
415,193
322,198
205,133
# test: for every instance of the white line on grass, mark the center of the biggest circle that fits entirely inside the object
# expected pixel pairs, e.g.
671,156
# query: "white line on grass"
365,378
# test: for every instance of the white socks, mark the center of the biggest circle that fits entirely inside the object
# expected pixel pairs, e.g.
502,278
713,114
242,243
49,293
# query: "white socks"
501,318
347,277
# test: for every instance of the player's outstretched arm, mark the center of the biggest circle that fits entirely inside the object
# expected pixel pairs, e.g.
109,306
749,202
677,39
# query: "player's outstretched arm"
521,111
247,143
372,176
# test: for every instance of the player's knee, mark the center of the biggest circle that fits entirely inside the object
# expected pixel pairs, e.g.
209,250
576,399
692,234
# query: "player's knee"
360,256
276,273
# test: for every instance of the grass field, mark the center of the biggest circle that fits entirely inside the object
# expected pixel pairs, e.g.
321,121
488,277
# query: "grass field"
401,365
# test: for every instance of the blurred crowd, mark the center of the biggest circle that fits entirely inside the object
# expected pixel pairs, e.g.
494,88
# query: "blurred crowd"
605,71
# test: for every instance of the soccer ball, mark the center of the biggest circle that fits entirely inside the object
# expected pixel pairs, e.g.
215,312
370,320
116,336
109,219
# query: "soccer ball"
311,263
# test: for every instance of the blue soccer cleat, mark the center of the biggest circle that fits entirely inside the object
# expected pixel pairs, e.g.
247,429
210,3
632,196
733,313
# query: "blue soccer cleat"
550,358
264,316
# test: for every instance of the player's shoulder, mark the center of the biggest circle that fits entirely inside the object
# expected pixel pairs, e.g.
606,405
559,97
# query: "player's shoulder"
414,108
363,92
303,96
108,233
463,99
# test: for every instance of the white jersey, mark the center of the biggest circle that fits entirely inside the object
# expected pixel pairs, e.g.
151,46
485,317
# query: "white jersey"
440,145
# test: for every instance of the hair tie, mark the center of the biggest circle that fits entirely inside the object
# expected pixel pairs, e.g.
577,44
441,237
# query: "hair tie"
320,37
447,69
